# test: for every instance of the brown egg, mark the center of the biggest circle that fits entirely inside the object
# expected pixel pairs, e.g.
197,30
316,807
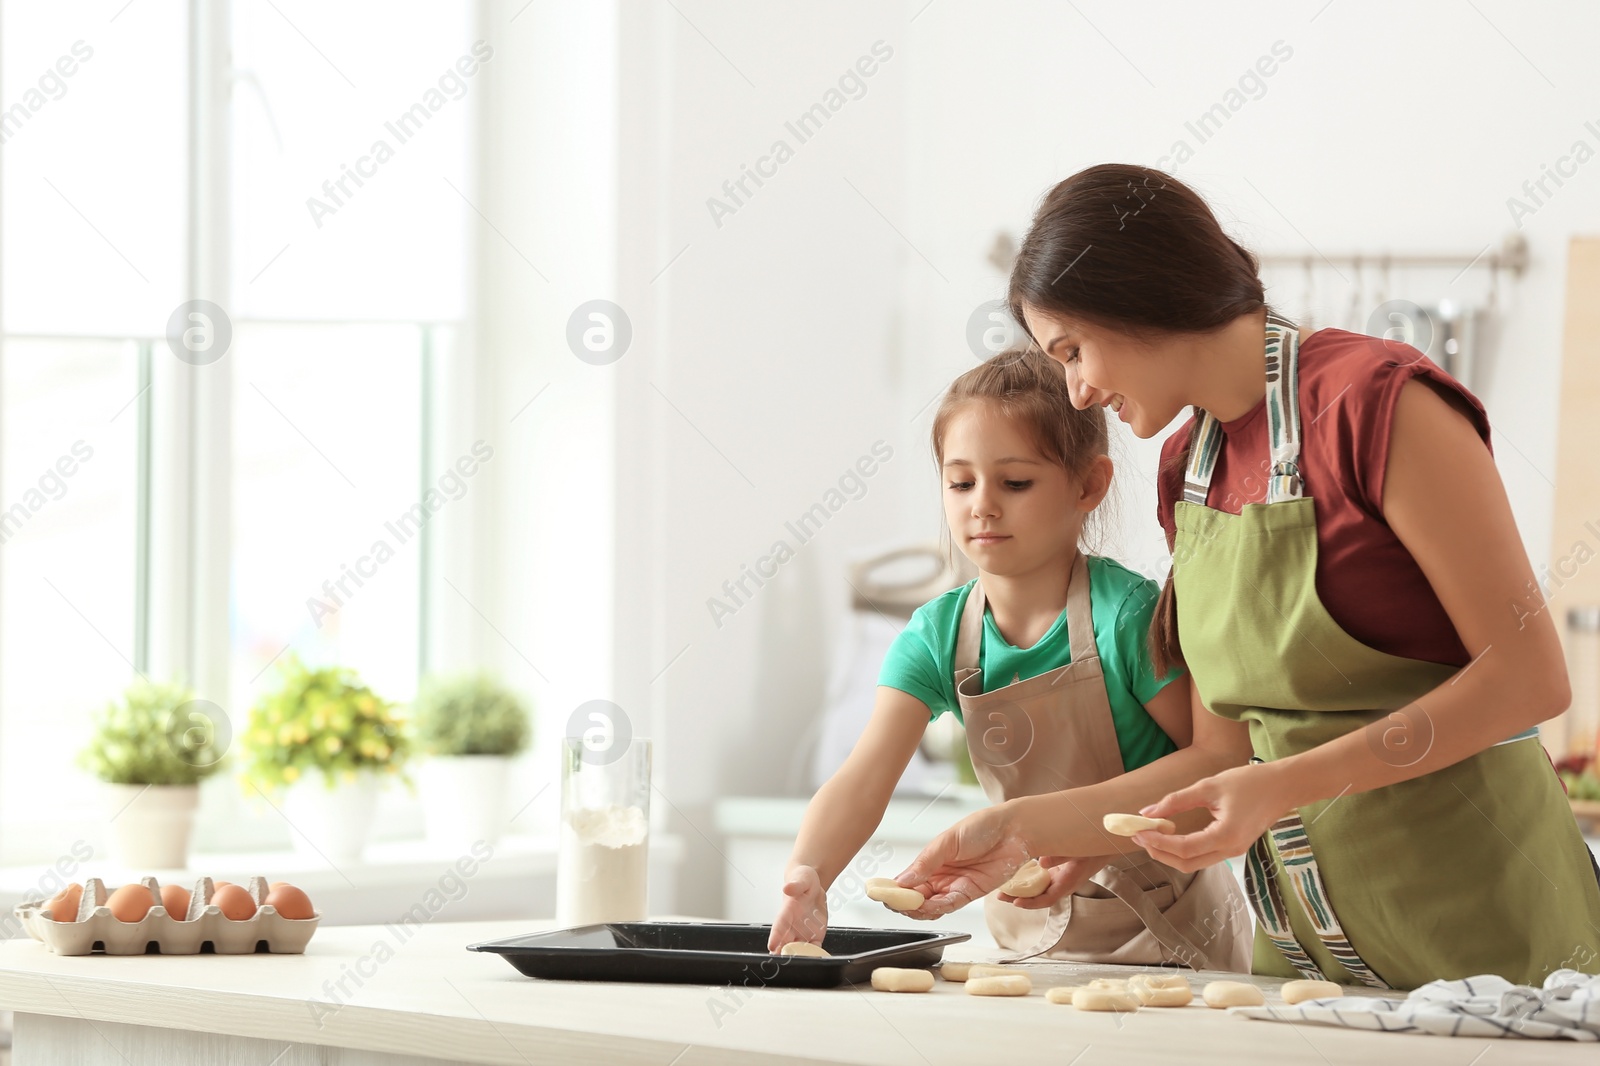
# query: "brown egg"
220,884
130,903
63,906
176,899
235,903
289,901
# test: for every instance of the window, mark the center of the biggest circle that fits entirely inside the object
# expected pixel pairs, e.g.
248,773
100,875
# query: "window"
327,442
92,172
344,299
69,557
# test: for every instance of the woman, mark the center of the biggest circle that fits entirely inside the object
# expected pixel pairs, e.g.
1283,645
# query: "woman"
1351,597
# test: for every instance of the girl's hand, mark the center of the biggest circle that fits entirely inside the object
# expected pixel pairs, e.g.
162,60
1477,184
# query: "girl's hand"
1244,801
966,862
804,913
1067,875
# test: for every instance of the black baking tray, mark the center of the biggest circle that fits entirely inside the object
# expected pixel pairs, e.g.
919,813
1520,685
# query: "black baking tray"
713,953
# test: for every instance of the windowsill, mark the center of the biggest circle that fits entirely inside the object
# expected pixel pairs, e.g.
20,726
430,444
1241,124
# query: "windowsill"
516,881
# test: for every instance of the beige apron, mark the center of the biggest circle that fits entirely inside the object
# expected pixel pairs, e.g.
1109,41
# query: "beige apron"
1054,732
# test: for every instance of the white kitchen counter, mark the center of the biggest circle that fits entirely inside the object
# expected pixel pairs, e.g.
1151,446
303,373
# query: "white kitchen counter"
432,1000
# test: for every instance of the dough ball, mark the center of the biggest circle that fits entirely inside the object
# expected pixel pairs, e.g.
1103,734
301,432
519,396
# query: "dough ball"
1125,825
887,892
1029,881
1220,995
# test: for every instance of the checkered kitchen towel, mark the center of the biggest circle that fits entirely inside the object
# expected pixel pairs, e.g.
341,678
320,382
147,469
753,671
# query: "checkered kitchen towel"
1567,1008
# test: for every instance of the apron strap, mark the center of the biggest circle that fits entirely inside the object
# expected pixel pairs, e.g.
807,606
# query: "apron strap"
969,636
1080,620
1261,885
1288,838
1300,866
1282,352
1116,880
1203,454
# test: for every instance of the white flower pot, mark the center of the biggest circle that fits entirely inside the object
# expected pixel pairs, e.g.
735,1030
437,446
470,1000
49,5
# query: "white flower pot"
463,799
151,825
331,823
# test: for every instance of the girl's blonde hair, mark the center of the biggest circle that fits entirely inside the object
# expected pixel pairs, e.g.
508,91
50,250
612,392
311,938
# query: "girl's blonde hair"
1029,387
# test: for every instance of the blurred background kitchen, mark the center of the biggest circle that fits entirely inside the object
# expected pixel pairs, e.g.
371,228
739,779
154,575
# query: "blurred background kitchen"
508,368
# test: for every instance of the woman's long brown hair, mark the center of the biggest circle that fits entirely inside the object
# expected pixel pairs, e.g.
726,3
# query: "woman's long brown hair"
1026,385
1133,250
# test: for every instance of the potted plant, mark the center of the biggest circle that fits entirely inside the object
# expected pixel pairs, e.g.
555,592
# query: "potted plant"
325,741
1579,777
152,748
470,727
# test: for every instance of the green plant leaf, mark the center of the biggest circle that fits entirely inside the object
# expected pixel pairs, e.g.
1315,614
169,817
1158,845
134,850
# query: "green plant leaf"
469,715
322,721
150,737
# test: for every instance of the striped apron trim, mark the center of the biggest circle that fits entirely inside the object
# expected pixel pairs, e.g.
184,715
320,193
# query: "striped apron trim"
1283,424
1202,457
1288,837
1261,886
1294,852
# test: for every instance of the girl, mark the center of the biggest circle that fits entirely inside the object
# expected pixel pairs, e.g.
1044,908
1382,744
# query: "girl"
1044,658
1349,592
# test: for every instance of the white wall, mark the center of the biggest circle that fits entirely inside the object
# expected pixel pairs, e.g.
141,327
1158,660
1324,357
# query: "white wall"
770,370
828,311
534,597
1392,127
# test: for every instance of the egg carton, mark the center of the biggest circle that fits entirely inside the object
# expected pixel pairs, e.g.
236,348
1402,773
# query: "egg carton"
97,929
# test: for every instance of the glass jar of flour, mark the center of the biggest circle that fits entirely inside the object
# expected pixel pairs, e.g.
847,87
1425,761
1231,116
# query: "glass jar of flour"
602,867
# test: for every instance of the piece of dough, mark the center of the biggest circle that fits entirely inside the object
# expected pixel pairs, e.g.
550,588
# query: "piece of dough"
801,947
891,895
989,969
1299,991
1104,999
1029,881
1220,995
1165,997
955,971
1108,984
1125,825
1061,993
895,979
1010,985
1161,990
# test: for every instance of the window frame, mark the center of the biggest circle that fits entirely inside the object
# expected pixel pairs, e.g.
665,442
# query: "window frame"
184,469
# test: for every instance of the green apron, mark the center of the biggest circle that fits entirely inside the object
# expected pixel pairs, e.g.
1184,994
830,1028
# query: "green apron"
1477,868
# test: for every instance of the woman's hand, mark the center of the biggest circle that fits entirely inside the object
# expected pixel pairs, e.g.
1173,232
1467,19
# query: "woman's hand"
1244,801
966,862
804,913
1067,875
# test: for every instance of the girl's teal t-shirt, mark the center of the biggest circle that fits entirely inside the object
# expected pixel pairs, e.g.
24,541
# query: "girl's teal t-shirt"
921,661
